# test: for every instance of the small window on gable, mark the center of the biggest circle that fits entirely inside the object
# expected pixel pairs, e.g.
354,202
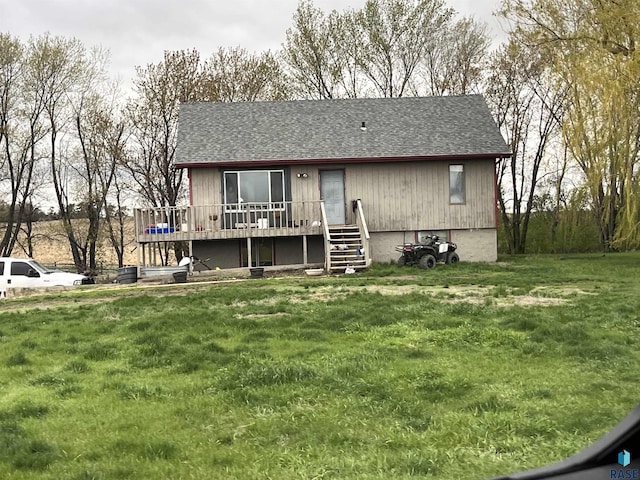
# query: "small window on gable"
456,184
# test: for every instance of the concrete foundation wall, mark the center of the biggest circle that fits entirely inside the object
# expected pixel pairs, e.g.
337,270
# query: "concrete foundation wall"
382,245
478,245
474,245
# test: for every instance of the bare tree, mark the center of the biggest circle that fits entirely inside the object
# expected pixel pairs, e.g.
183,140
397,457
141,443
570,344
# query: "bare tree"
233,74
101,138
398,33
309,52
115,211
528,107
455,63
63,74
153,116
380,50
21,130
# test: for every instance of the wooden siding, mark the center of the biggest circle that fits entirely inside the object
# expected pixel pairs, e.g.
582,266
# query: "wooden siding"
399,196
305,187
415,196
206,186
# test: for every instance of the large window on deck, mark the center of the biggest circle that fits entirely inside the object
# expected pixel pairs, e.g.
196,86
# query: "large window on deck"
265,187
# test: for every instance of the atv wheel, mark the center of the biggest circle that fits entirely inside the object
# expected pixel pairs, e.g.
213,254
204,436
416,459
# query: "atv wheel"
453,258
427,261
402,261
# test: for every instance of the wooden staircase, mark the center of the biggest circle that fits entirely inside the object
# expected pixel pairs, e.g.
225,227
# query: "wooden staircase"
345,248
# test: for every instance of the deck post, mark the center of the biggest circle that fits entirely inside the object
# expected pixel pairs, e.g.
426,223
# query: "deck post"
249,260
305,252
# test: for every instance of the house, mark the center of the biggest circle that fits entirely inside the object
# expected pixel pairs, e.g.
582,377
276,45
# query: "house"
332,182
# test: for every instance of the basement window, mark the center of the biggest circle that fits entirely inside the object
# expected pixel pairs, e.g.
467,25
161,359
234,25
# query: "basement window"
422,235
456,184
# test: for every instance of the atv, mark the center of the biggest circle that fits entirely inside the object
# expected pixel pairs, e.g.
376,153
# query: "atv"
429,253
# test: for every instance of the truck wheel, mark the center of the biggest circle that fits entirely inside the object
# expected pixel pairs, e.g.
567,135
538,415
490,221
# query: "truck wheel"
402,261
453,258
427,261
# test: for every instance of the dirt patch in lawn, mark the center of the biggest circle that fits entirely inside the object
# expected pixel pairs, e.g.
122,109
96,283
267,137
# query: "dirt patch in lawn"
477,294
261,315
531,301
472,294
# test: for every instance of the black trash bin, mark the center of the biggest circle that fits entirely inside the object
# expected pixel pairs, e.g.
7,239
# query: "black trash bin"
256,272
180,277
128,274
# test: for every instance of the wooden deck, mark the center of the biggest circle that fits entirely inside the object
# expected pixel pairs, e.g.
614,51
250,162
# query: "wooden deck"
217,222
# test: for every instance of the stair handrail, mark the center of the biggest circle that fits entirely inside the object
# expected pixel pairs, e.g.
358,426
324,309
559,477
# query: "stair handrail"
364,231
327,238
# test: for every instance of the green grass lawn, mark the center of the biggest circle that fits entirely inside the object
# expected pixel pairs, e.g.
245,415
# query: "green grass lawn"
466,371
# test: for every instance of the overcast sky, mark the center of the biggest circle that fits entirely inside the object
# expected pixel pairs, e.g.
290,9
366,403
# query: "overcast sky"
137,32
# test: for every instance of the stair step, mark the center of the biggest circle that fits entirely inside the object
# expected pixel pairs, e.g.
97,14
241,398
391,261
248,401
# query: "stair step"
334,238
344,261
348,235
355,267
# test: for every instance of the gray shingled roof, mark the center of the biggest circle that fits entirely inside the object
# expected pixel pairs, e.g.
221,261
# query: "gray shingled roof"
331,129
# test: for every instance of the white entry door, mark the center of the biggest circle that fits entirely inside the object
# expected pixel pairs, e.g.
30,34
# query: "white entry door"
332,192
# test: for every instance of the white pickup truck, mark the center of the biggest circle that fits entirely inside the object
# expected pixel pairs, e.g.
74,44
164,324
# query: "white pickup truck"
27,273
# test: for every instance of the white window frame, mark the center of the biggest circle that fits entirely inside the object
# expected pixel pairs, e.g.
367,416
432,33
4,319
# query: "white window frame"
271,205
463,187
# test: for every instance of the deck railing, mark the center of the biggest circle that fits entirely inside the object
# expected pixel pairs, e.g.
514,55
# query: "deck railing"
241,220
364,231
327,239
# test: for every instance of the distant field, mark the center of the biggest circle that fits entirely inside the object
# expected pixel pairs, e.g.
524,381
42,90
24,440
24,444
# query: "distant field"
466,371
52,246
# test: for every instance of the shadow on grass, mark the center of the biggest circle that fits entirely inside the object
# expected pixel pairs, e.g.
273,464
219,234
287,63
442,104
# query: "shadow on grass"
18,448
